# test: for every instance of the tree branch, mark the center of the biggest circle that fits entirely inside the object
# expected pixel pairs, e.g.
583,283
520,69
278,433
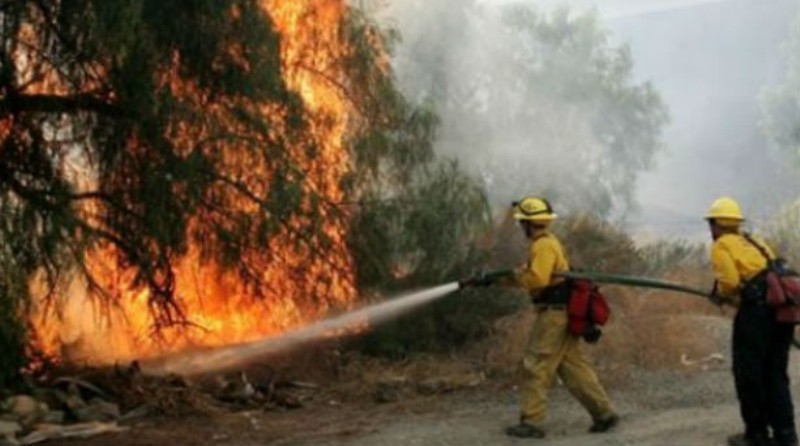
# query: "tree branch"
42,103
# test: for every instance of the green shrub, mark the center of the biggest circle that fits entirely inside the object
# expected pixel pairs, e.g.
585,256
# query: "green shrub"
597,245
456,321
669,255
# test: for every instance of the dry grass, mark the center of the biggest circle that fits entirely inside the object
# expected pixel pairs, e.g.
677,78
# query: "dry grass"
784,232
170,396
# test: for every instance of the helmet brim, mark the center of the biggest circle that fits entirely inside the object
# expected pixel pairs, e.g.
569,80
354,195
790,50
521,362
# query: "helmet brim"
534,218
726,222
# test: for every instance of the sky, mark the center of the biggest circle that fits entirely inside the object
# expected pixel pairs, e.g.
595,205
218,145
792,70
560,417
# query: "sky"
615,9
710,60
711,64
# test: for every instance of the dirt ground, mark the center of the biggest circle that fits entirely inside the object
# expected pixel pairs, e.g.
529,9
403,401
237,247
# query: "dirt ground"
658,408
664,397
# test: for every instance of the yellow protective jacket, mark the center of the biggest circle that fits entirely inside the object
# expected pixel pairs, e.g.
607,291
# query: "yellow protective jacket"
735,261
546,256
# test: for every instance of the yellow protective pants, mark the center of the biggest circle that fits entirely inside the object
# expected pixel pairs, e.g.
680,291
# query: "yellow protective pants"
552,351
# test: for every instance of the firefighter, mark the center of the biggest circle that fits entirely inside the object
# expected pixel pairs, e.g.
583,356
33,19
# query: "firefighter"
760,345
551,349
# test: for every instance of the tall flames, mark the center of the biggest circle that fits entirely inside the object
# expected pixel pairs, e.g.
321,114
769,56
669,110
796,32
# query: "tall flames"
219,309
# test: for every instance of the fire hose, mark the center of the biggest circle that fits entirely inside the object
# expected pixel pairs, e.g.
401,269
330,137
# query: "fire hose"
486,278
634,281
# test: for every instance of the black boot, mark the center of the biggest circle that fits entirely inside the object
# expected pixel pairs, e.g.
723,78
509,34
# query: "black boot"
749,440
785,437
604,424
524,430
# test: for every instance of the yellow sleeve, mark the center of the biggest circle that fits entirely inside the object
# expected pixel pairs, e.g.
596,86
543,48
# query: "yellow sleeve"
725,271
538,273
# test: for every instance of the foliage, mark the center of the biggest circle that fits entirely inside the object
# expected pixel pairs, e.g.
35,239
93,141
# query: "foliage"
598,245
678,255
416,216
534,103
424,236
455,322
120,135
781,107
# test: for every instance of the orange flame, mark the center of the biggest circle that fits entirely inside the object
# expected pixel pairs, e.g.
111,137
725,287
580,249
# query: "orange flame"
220,309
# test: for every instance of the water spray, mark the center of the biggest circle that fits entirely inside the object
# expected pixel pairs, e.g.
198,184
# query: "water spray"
194,362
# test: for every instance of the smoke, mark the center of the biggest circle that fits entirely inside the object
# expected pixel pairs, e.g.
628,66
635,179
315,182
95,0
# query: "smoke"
707,59
530,103
711,62
617,9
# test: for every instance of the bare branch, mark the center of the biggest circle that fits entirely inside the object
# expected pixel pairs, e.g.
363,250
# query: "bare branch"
43,103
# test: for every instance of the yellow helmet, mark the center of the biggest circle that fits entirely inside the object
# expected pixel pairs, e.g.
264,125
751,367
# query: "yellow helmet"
725,211
534,209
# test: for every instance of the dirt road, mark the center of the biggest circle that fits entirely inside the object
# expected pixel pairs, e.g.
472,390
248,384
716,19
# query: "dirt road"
679,407
664,408
674,403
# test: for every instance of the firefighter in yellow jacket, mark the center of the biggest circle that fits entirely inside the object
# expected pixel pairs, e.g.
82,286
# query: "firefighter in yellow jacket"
760,345
552,351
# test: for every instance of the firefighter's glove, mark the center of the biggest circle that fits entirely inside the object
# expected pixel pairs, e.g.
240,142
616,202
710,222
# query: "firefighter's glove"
714,296
479,279
592,334
716,299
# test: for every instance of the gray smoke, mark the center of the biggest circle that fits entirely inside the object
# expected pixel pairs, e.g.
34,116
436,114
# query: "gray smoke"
709,60
711,63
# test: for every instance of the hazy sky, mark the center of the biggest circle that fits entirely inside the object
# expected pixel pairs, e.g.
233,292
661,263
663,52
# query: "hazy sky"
710,60
613,9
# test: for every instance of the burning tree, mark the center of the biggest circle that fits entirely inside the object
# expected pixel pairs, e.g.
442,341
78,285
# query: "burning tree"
200,164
